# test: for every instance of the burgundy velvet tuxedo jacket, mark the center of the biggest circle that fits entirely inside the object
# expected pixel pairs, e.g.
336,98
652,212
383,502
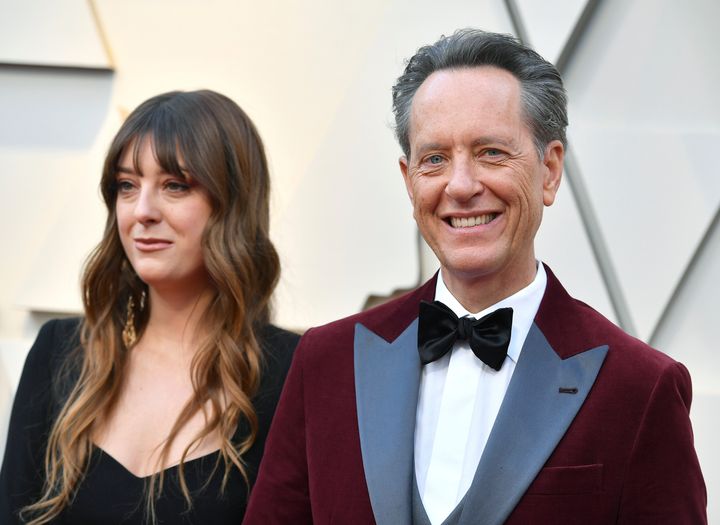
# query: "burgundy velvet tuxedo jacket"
594,428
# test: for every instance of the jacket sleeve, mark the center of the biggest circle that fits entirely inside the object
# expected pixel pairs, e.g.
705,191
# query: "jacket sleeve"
281,493
21,477
664,484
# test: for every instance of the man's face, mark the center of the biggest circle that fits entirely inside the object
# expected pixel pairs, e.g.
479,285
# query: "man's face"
475,178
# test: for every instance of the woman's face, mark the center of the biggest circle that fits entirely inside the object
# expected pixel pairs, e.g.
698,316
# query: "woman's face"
161,219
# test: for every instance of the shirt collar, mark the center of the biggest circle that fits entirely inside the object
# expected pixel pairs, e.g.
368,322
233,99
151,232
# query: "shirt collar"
525,304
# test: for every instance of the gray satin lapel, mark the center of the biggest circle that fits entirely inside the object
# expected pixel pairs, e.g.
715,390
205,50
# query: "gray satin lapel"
533,418
387,376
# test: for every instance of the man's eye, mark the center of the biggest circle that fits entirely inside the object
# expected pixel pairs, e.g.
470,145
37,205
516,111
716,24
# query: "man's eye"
493,152
435,159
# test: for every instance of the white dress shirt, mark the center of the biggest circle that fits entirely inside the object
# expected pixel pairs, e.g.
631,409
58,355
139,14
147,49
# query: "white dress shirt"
459,399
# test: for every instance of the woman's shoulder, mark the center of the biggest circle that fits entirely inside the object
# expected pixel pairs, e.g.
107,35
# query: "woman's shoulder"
277,346
60,331
271,335
55,340
36,397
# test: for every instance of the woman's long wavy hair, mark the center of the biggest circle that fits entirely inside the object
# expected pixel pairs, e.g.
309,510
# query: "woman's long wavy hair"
214,140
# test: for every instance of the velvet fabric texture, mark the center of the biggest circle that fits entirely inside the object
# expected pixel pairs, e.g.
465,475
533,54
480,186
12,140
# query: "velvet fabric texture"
626,458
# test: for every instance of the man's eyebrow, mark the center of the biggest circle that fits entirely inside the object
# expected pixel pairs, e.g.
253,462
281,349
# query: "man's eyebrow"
489,139
479,141
429,147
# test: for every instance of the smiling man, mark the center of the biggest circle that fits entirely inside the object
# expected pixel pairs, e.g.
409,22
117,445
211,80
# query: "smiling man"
488,395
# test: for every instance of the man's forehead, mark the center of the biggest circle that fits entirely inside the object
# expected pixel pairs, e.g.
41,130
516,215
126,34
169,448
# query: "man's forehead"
478,79
485,98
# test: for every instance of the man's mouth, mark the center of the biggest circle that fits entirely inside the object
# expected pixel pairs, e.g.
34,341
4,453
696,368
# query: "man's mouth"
469,222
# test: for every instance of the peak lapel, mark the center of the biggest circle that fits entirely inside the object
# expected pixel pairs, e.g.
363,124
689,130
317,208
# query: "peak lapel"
543,397
386,389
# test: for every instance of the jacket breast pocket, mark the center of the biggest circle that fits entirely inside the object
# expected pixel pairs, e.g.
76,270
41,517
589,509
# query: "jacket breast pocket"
579,479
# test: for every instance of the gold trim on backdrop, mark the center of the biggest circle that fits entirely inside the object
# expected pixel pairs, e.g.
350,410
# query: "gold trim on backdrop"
101,33
123,112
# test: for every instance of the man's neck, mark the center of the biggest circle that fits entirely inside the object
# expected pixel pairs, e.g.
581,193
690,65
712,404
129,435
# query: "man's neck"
476,293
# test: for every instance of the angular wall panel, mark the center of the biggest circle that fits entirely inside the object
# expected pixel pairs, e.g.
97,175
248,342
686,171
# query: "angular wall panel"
688,330
56,33
652,224
549,24
52,109
563,244
53,121
348,231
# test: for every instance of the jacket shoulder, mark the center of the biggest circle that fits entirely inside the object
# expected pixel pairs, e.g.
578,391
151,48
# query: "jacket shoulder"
572,327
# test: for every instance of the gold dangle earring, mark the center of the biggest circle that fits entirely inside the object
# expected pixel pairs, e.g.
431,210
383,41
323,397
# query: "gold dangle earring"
129,336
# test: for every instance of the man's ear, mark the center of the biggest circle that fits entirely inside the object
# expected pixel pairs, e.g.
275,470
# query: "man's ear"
406,176
552,170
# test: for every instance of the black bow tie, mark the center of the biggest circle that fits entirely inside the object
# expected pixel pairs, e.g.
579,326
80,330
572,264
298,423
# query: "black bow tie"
439,328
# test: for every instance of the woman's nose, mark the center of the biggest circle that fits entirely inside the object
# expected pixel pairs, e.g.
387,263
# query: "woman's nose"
147,209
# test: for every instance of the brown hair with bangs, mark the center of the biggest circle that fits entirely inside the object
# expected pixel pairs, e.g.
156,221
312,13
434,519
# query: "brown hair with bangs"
221,149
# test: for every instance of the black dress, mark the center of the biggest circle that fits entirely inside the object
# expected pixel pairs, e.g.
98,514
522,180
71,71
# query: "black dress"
109,493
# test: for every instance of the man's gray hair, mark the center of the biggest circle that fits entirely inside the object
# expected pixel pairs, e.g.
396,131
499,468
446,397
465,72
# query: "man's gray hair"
542,92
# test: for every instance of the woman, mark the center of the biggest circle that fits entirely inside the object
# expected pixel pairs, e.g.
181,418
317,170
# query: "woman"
155,406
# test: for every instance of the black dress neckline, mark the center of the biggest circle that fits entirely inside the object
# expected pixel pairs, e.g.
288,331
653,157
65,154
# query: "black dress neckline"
101,452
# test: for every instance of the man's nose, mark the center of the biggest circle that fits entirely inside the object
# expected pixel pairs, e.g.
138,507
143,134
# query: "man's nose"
465,181
147,209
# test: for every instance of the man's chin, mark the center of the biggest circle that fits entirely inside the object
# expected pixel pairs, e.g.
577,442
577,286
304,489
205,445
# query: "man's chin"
469,270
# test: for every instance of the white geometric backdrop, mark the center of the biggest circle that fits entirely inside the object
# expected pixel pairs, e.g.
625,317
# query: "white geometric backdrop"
635,230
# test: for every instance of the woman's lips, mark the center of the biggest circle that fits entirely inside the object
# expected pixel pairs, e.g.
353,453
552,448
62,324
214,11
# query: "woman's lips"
151,245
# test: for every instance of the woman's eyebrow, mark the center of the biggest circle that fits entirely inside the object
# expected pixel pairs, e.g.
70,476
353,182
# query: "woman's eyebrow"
129,171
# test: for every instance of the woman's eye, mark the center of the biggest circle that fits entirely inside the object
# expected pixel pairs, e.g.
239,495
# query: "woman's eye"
124,186
177,186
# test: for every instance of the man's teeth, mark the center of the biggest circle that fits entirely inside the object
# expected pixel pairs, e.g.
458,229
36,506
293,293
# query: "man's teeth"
467,222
